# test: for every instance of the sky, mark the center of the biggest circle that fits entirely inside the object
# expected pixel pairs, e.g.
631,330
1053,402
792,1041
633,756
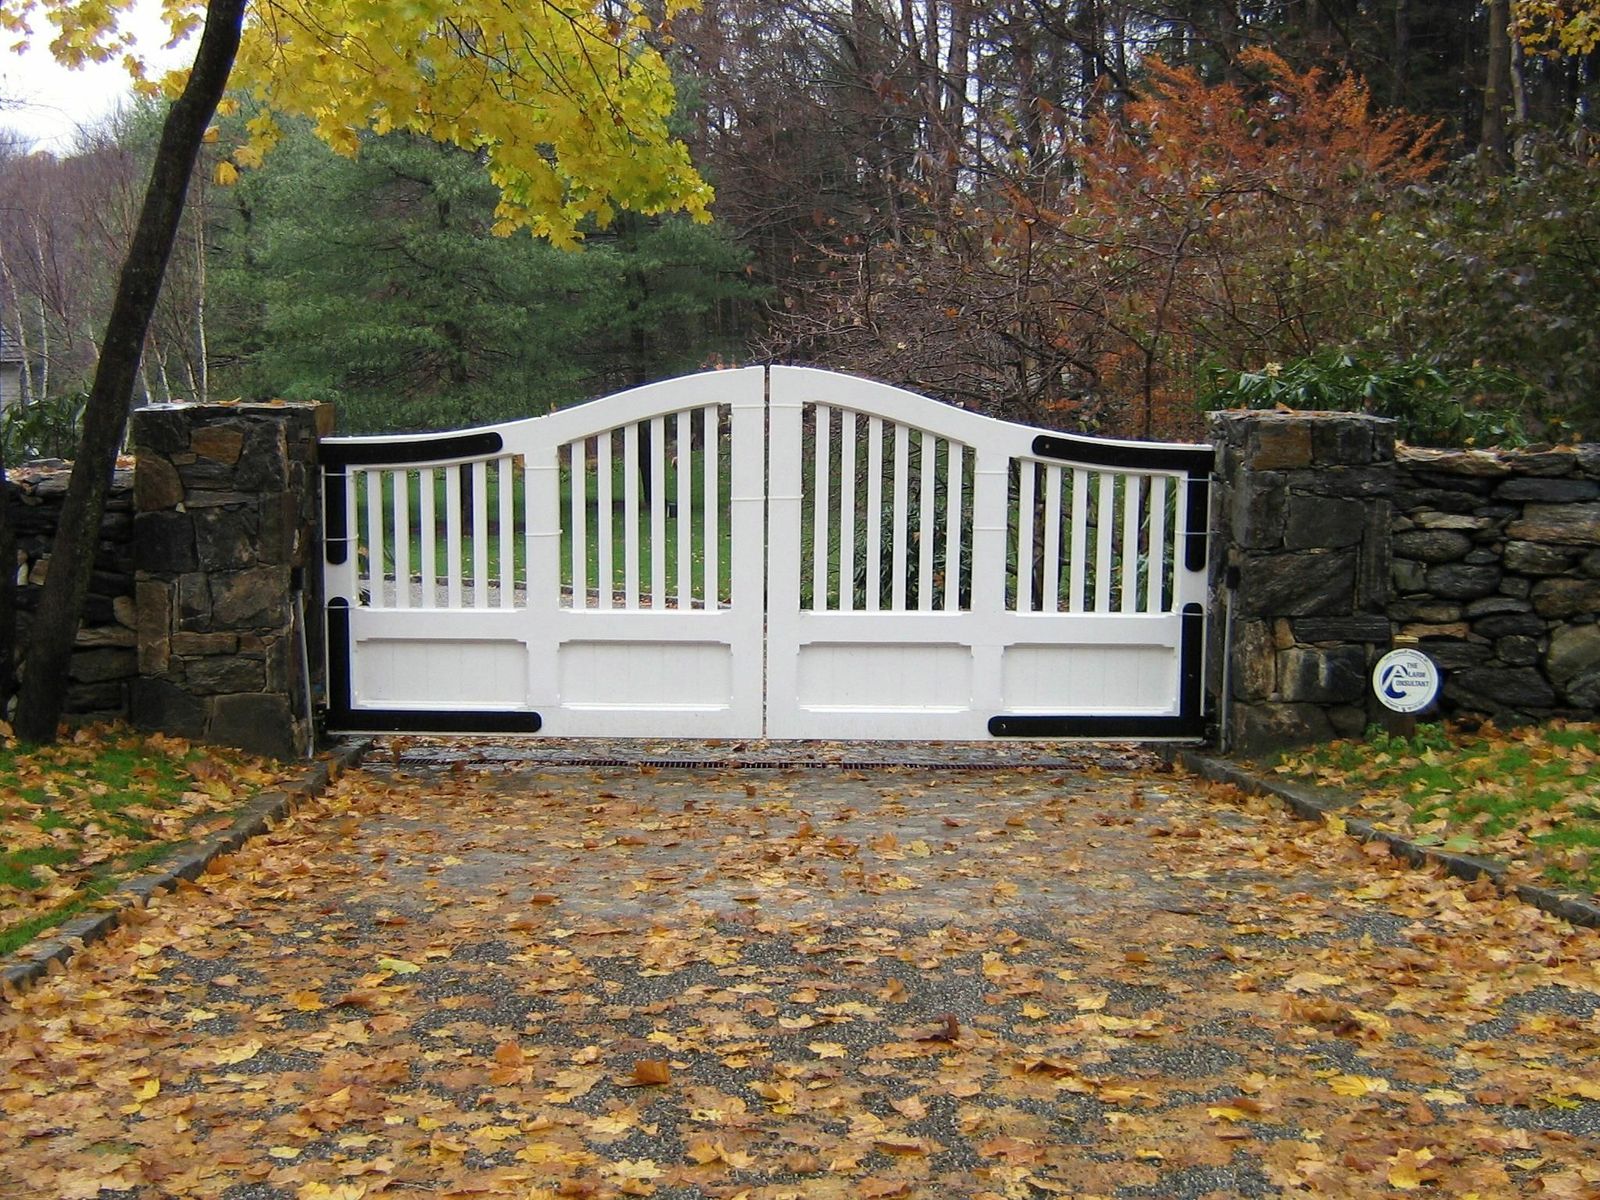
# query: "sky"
47,104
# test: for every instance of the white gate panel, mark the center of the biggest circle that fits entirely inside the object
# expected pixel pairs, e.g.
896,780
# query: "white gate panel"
620,594
934,573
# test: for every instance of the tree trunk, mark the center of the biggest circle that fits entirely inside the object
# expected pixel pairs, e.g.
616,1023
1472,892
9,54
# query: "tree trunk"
1496,86
55,628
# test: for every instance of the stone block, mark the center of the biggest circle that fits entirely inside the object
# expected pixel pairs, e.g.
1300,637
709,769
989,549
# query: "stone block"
126,610
155,624
1462,581
1256,511
1360,483
1352,440
1551,491
1568,523
1517,650
1573,656
1374,560
156,486
1509,625
1409,500
1455,654
92,637
1453,629
97,666
259,724
1327,676
253,599
227,539
1252,670
264,463
1516,585
1591,564
164,431
1408,576
1429,612
1559,599
1279,442
198,645
1302,584
194,602
1431,545
158,705
1463,522
1455,467
1490,606
1319,522
1261,728
220,442
163,543
1370,629
214,675
1494,689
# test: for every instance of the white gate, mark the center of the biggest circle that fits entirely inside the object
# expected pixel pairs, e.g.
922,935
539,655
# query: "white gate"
776,552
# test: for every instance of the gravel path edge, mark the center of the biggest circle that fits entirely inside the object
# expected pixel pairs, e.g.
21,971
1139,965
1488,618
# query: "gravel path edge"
34,960
1314,804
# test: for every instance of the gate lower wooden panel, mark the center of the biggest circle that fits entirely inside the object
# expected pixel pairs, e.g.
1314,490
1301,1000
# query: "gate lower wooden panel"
786,553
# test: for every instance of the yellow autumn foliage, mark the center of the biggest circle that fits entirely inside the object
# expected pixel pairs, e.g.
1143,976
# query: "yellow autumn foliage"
567,102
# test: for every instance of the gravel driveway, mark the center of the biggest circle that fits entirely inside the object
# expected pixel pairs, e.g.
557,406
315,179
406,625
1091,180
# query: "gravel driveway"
546,981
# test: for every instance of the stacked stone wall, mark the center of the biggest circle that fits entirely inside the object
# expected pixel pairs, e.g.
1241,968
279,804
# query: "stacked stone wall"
1496,572
227,539
104,660
1300,573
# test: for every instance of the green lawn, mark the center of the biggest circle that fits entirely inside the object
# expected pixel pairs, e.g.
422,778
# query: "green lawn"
1530,797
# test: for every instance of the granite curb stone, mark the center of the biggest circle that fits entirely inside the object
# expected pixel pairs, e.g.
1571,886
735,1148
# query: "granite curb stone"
1314,804
33,960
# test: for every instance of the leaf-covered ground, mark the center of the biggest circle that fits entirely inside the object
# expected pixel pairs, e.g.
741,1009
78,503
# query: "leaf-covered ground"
77,816
1529,796
809,983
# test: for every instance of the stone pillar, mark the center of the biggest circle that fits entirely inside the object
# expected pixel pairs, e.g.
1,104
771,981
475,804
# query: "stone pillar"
1300,579
227,533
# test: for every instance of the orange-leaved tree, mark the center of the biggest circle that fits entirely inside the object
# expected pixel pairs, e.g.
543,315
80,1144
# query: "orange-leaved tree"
1182,239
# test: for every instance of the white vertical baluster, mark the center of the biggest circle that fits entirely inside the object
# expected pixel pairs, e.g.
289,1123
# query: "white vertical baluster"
1154,593
954,488
428,527
926,469
402,537
579,523
376,585
480,535
452,535
630,516
1131,492
874,513
1051,600
658,513
902,518
507,539
683,458
847,511
1105,519
1077,565
1025,471
820,514
711,507
605,575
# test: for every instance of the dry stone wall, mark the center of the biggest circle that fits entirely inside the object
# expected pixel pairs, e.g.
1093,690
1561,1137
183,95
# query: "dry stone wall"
1497,574
104,662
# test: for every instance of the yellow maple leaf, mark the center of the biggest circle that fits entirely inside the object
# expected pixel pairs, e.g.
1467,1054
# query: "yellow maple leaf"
1358,1085
826,1049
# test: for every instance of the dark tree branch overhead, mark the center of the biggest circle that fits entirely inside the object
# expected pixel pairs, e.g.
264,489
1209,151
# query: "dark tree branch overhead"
44,680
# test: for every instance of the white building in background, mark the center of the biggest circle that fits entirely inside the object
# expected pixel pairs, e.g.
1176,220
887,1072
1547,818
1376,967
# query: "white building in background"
11,364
